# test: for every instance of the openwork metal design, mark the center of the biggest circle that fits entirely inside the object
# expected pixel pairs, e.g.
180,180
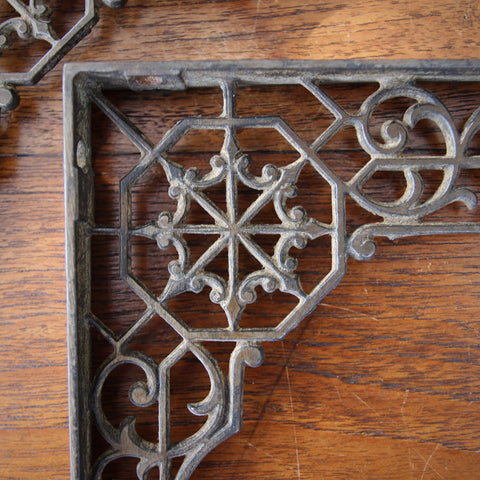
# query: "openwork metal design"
230,167
34,21
230,228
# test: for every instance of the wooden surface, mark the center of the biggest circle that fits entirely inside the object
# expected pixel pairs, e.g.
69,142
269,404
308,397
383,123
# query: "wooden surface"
381,382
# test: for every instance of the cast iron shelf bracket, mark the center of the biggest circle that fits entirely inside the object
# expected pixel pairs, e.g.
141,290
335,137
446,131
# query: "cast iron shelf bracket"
222,408
34,21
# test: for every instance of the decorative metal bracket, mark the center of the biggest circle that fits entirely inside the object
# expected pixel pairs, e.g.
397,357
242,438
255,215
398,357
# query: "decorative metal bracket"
34,21
232,228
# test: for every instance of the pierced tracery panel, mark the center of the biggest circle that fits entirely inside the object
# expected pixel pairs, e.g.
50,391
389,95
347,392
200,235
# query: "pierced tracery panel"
234,232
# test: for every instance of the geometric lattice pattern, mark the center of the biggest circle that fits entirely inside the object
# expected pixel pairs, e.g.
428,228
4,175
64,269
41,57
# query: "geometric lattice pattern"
234,231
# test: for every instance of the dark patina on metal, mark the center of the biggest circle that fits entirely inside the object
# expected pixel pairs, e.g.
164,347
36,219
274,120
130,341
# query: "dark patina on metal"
34,21
295,228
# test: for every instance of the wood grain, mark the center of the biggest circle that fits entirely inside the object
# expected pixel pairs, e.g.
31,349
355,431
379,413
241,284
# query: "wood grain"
382,381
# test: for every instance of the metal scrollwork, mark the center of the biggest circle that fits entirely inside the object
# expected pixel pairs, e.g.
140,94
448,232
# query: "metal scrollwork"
276,185
294,227
34,21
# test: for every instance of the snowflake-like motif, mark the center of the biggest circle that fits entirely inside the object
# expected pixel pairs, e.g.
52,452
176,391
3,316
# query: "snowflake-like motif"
231,166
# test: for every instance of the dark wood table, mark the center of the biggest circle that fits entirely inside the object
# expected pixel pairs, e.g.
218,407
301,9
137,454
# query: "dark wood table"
382,381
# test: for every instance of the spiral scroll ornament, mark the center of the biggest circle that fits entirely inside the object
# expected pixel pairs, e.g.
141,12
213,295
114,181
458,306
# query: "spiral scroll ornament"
233,230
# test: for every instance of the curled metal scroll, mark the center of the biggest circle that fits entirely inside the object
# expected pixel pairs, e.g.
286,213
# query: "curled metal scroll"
33,20
295,227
